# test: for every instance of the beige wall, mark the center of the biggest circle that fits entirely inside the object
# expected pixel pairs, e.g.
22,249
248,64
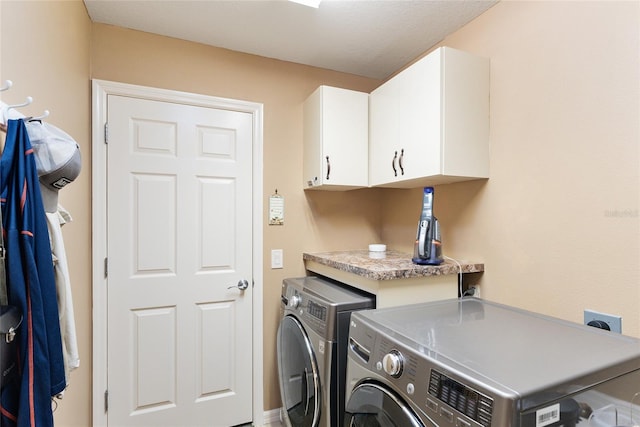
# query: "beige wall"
557,224
44,50
313,221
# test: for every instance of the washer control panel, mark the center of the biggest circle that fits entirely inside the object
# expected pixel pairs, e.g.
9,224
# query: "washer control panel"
392,363
437,393
460,397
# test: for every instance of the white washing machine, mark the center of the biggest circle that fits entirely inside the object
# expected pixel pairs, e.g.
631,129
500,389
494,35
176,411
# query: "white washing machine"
312,349
472,363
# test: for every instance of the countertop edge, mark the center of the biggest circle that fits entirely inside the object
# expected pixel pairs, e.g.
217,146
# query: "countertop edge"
394,265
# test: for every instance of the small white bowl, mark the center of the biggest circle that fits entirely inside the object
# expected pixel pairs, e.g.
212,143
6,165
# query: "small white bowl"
377,248
377,255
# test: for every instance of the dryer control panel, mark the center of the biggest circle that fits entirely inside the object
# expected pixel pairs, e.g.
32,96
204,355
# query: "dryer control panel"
318,311
302,305
319,302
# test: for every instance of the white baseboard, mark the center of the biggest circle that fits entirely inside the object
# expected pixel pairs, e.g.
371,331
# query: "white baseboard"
272,416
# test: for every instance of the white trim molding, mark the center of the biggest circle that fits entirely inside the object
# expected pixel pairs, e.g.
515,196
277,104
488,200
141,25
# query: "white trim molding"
100,91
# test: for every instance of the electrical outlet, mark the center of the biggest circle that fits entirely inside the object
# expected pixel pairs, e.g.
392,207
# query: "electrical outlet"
613,322
472,291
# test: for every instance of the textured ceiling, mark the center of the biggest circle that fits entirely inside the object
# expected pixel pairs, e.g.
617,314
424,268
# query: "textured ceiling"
372,38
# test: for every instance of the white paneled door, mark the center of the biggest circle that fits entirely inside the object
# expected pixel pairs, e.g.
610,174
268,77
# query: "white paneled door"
179,231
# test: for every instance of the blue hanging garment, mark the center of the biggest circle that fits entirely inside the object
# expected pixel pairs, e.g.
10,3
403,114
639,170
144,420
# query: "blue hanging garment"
31,286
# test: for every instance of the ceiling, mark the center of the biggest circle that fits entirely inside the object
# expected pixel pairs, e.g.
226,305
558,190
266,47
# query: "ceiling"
371,38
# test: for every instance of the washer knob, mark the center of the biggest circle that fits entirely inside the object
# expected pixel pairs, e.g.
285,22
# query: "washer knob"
294,301
392,363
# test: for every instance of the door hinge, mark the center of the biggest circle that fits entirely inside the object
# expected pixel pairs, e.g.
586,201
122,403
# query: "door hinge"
106,133
106,267
106,400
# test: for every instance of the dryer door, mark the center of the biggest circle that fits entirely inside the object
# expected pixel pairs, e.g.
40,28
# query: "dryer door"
372,405
298,374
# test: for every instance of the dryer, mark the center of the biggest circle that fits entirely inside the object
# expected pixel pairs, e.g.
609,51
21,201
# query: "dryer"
473,363
312,348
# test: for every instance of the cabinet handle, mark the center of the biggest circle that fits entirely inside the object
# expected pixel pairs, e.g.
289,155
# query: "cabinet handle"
400,161
393,164
328,168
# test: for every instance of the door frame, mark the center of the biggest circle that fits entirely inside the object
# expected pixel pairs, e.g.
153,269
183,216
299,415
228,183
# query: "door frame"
101,89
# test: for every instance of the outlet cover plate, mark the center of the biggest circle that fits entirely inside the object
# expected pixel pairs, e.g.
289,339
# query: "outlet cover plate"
277,258
614,322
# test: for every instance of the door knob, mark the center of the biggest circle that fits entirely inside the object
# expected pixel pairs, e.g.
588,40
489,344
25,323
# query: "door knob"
242,285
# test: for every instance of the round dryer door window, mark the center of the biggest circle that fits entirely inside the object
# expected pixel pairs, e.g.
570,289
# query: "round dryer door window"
298,374
373,405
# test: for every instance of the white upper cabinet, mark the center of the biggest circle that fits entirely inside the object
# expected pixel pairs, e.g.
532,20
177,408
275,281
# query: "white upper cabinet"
429,124
336,137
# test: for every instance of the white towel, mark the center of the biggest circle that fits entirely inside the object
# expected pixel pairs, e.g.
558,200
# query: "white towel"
55,221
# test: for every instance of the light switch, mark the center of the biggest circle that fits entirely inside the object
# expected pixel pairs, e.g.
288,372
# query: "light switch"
276,258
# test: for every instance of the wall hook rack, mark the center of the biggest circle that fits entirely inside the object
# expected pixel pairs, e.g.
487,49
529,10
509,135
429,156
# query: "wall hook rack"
7,85
28,101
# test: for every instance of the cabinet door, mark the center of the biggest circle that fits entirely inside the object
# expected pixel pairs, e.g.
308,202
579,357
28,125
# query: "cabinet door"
435,116
384,111
312,140
336,138
419,133
404,117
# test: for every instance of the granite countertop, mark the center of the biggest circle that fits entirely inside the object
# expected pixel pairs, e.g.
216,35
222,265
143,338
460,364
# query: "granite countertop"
394,265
